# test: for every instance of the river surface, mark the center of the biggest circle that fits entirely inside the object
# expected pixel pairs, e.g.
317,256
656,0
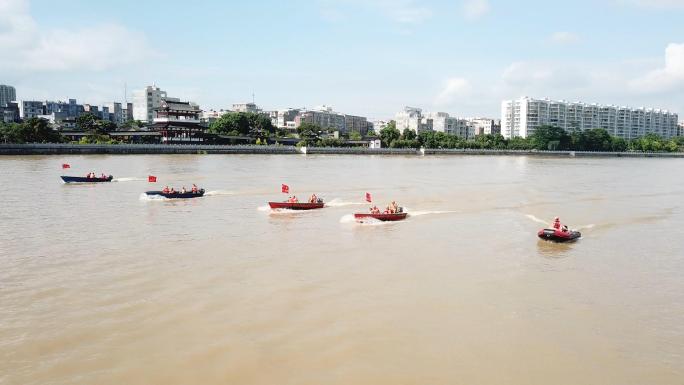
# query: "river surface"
101,286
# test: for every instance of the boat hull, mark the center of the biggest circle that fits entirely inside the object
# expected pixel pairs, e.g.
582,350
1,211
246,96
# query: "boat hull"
80,179
380,217
177,195
554,235
296,206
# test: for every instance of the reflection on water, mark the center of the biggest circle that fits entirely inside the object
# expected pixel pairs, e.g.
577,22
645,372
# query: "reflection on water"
102,285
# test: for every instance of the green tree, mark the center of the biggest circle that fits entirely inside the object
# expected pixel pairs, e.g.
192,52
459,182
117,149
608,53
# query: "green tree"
389,134
596,139
355,136
308,132
408,134
618,144
33,130
550,138
231,123
87,122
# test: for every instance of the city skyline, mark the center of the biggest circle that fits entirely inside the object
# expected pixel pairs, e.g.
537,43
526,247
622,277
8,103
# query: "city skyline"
368,58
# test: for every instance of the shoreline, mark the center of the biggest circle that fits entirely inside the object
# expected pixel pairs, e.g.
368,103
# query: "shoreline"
166,149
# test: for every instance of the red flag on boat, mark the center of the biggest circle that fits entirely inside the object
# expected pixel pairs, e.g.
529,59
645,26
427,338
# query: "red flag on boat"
66,165
152,179
368,197
285,189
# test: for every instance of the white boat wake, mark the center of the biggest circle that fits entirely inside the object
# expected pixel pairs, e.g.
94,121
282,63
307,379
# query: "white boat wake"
532,217
145,197
341,203
129,179
218,193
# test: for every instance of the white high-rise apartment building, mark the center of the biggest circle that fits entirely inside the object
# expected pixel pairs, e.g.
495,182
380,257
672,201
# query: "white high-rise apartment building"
520,117
411,118
442,122
7,94
146,100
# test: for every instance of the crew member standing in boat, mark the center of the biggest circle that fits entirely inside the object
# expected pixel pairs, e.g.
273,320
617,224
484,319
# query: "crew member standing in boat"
194,188
166,190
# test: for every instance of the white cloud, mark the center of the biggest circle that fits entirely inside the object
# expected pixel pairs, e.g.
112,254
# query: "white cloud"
667,78
545,75
94,48
453,89
563,37
474,9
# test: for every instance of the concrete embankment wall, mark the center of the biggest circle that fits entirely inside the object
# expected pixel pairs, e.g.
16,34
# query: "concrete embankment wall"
61,149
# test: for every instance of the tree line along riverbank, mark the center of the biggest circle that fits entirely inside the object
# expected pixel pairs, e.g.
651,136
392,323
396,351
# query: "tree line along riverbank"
544,138
9,149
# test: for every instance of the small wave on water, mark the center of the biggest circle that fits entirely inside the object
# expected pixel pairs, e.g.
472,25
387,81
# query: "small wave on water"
341,203
532,217
218,193
349,219
129,179
145,197
419,213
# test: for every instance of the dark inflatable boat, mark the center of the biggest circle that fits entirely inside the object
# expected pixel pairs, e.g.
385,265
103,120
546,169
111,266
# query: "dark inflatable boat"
554,235
81,179
178,194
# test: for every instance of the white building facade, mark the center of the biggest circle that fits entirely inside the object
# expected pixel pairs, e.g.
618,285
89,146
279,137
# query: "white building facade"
145,102
411,118
520,117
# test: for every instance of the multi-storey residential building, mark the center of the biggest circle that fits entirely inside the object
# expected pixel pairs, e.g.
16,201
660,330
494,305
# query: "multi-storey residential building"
9,112
128,112
324,117
442,122
411,118
284,118
145,102
8,94
379,125
117,113
358,124
680,131
246,107
520,118
210,116
31,108
483,126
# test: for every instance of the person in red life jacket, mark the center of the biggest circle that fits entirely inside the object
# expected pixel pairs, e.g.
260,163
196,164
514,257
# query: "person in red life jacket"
194,188
294,199
556,224
172,191
103,176
166,190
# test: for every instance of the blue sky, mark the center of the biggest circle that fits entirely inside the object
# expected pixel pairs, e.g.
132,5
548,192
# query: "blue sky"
367,57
